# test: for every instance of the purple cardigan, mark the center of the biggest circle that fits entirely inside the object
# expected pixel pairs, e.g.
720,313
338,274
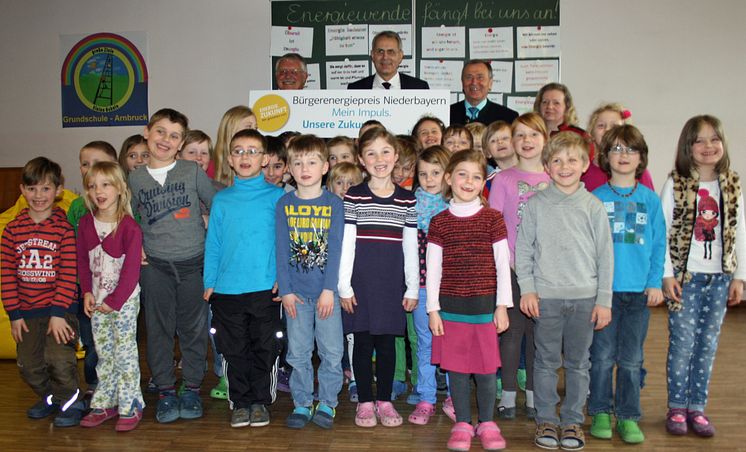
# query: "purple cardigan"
125,240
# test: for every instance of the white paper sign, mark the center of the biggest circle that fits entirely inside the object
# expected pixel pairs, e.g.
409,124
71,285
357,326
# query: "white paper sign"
347,40
340,73
502,76
531,75
404,31
292,39
491,43
314,76
521,104
495,97
443,42
442,74
328,113
407,67
538,42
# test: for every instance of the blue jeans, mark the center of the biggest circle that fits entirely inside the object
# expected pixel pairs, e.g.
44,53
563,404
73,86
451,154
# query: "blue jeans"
426,384
619,343
693,339
328,335
563,328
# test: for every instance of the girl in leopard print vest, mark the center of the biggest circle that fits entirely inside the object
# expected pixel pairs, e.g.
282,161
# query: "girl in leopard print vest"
703,206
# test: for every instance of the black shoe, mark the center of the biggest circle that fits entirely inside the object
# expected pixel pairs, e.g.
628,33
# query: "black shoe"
71,416
42,409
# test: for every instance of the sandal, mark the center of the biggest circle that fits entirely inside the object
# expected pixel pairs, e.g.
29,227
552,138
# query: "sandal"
422,413
573,437
387,414
546,436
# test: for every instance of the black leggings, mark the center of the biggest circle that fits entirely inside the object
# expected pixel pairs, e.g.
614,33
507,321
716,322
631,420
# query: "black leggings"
461,395
362,362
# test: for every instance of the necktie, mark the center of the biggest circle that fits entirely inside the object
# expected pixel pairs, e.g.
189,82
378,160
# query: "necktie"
473,112
386,85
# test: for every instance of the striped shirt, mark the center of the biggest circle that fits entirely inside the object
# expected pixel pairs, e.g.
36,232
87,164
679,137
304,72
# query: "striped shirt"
38,266
380,219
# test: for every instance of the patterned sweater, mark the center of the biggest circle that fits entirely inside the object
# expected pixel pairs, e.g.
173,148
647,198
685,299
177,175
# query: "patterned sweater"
38,266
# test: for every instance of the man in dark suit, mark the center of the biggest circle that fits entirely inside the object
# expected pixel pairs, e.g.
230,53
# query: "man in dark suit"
476,80
387,55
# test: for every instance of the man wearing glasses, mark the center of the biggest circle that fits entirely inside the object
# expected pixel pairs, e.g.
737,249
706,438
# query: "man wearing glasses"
291,72
387,55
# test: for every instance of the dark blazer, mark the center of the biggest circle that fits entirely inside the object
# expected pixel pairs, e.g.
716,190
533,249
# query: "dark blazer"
407,82
490,113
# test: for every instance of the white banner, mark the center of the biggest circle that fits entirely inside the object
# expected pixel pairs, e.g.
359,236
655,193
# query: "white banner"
328,113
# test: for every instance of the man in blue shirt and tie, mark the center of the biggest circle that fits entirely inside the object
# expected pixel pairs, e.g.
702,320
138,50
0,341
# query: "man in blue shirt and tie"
476,80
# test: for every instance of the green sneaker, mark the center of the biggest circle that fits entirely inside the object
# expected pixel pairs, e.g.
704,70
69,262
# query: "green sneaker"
629,431
521,376
220,391
601,426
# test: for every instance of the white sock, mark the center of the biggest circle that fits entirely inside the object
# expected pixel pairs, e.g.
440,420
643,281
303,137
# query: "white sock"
530,399
508,399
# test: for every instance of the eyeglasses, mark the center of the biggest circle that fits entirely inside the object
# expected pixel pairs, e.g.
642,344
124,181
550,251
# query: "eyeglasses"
294,72
620,149
251,152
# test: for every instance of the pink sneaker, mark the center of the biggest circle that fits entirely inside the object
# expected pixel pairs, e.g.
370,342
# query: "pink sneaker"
98,416
461,435
421,414
387,414
127,423
366,415
448,409
489,435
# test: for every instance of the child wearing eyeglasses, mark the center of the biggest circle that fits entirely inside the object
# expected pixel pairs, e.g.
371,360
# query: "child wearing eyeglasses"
638,229
167,194
239,276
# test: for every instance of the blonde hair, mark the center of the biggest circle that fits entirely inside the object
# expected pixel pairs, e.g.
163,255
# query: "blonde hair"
465,156
562,142
341,140
307,144
344,169
226,130
615,107
477,130
114,173
571,117
532,120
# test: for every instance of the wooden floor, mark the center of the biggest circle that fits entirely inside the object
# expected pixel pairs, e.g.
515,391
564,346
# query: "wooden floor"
727,409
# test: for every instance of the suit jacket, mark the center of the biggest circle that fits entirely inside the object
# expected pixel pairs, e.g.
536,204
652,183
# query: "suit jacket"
407,82
490,113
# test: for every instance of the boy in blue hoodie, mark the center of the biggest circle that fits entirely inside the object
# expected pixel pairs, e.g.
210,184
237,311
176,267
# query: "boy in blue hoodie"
239,277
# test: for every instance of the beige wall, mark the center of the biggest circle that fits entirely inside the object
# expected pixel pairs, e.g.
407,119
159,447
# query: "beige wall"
667,60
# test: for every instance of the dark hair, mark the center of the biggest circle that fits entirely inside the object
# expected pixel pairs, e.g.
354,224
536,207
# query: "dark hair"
171,115
467,155
425,119
386,34
630,136
102,146
684,160
275,146
375,133
249,133
40,170
485,63
128,143
458,130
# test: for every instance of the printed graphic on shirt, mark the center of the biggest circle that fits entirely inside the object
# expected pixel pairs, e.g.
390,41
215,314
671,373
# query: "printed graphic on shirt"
36,265
160,202
628,221
525,192
707,220
309,236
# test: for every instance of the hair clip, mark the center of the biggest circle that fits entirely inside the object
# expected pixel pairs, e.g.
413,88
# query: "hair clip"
626,114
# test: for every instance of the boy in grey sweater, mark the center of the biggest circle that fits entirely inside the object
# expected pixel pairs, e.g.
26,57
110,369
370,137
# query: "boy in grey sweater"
564,262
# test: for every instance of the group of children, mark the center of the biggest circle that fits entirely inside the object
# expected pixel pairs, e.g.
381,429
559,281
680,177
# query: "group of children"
361,241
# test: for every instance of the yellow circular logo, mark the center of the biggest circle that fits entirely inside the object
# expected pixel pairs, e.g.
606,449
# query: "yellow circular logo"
272,112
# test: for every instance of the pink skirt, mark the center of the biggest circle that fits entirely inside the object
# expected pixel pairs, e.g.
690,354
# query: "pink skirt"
467,348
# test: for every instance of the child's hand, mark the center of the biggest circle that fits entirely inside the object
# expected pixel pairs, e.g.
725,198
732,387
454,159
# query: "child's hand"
601,316
500,319
143,258
348,304
288,302
325,304
436,323
276,297
89,304
735,292
104,309
530,304
655,296
62,332
409,304
672,289
207,294
17,328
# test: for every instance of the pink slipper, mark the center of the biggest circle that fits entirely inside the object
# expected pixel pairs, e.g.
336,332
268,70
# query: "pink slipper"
448,409
461,435
366,415
421,414
490,436
387,414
